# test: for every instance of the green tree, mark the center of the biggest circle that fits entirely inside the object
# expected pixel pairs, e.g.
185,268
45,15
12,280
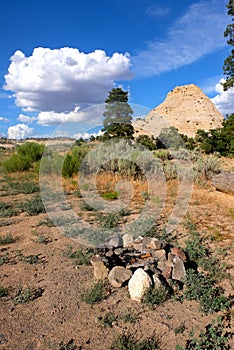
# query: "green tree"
218,140
118,115
228,67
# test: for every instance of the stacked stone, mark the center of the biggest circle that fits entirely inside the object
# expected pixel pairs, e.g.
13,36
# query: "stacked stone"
138,263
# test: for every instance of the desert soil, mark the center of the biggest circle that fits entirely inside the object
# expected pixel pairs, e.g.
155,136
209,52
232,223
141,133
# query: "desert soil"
58,314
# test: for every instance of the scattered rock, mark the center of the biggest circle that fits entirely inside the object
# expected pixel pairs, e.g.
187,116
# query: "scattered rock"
127,240
151,243
138,284
118,276
159,255
224,182
116,241
100,271
179,252
178,270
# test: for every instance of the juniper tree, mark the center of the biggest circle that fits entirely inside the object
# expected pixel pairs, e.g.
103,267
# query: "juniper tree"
118,115
228,67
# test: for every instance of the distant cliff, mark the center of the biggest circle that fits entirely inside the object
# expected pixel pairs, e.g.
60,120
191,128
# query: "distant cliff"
186,108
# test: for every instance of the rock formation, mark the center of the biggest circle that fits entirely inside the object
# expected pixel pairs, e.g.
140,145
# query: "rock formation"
186,108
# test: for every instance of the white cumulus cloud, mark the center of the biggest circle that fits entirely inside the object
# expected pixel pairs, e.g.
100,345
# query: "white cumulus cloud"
19,131
196,33
90,116
224,100
60,79
26,119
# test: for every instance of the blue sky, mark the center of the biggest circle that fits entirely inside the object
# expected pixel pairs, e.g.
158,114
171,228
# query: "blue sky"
58,57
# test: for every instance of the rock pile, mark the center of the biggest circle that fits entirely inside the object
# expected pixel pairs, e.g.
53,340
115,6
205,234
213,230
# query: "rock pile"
140,263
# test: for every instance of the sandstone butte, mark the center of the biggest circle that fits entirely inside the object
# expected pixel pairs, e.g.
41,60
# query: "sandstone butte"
186,108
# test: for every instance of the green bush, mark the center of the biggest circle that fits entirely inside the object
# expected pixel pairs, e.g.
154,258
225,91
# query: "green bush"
215,337
26,155
201,288
34,206
155,296
218,140
95,293
73,159
80,256
7,239
128,342
3,292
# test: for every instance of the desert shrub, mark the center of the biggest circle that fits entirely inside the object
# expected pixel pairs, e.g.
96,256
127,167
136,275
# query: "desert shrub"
24,158
147,141
68,346
215,337
155,296
73,159
170,170
195,247
7,239
80,256
26,295
128,342
51,163
3,292
206,167
163,154
109,220
95,293
34,206
110,195
201,288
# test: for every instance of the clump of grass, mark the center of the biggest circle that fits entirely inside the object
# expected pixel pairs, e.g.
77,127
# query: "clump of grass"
26,295
7,210
7,239
79,256
47,222
180,329
201,288
155,296
195,247
108,221
110,195
4,259
43,239
34,206
95,293
29,259
3,292
129,317
68,346
107,320
128,342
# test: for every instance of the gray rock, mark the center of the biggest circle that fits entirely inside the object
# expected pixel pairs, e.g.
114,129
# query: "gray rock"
224,182
178,270
118,275
127,240
138,284
116,241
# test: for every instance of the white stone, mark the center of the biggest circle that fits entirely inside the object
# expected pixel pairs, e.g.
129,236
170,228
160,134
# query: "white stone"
138,284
